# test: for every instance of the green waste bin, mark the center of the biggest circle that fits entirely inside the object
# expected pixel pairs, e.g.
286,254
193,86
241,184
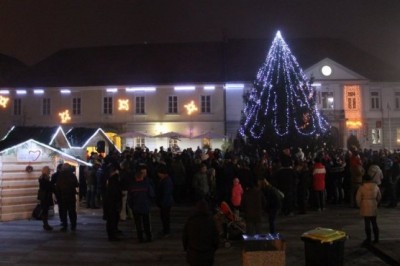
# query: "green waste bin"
324,246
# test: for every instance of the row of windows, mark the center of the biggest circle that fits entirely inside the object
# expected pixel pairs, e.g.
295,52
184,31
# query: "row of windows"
376,135
108,105
327,100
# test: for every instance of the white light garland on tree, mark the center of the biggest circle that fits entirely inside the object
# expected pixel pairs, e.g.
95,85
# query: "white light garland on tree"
281,98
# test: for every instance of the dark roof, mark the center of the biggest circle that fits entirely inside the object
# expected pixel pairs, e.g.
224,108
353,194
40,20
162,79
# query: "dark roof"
78,136
10,68
245,57
21,134
172,63
133,64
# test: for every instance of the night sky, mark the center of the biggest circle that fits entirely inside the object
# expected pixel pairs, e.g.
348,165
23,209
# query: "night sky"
31,30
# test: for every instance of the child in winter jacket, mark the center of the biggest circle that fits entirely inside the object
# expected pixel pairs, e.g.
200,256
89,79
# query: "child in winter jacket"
236,197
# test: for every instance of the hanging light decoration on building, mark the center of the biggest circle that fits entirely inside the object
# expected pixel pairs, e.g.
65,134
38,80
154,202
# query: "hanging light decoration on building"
65,117
123,104
191,107
4,101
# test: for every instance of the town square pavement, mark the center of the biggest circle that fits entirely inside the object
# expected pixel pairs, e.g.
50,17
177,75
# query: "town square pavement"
24,242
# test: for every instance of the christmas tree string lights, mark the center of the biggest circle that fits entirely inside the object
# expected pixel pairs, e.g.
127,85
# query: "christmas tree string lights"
281,102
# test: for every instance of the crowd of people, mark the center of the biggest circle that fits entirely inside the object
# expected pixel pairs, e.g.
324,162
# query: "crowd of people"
288,182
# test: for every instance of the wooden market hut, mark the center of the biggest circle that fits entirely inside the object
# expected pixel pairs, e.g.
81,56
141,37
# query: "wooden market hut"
21,161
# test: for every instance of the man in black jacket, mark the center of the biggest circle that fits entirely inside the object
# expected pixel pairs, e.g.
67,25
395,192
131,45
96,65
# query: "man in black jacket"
200,236
113,202
66,185
164,198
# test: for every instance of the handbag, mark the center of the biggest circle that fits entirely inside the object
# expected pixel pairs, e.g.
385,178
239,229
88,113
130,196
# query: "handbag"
37,212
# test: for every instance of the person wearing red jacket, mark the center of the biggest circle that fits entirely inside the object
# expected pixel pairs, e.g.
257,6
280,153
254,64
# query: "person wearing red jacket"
318,183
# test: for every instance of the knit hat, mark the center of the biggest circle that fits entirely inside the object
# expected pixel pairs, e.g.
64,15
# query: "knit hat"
373,170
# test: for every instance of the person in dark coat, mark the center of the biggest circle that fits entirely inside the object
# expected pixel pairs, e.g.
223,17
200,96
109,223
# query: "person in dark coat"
53,180
45,195
200,237
304,180
91,185
66,185
286,182
392,184
164,198
273,198
253,204
113,202
140,195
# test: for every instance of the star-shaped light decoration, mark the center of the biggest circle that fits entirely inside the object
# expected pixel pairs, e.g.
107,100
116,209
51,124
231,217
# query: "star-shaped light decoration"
65,117
3,101
190,107
123,104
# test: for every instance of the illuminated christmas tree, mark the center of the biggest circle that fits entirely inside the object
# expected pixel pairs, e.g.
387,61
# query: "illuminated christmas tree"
280,108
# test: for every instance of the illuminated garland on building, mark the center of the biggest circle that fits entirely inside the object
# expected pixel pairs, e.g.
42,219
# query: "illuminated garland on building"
281,99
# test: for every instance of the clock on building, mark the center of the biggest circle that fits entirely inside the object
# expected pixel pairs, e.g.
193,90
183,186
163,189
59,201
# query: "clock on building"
326,71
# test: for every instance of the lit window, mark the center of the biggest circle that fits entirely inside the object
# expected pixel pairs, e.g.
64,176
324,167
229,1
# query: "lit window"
173,144
140,142
327,100
139,108
376,135
108,105
173,104
375,100
206,104
46,106
351,100
17,106
76,106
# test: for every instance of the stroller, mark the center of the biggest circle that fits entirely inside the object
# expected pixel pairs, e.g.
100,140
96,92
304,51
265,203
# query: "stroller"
230,227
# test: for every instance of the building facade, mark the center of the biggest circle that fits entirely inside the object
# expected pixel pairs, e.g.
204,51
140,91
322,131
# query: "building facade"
194,90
